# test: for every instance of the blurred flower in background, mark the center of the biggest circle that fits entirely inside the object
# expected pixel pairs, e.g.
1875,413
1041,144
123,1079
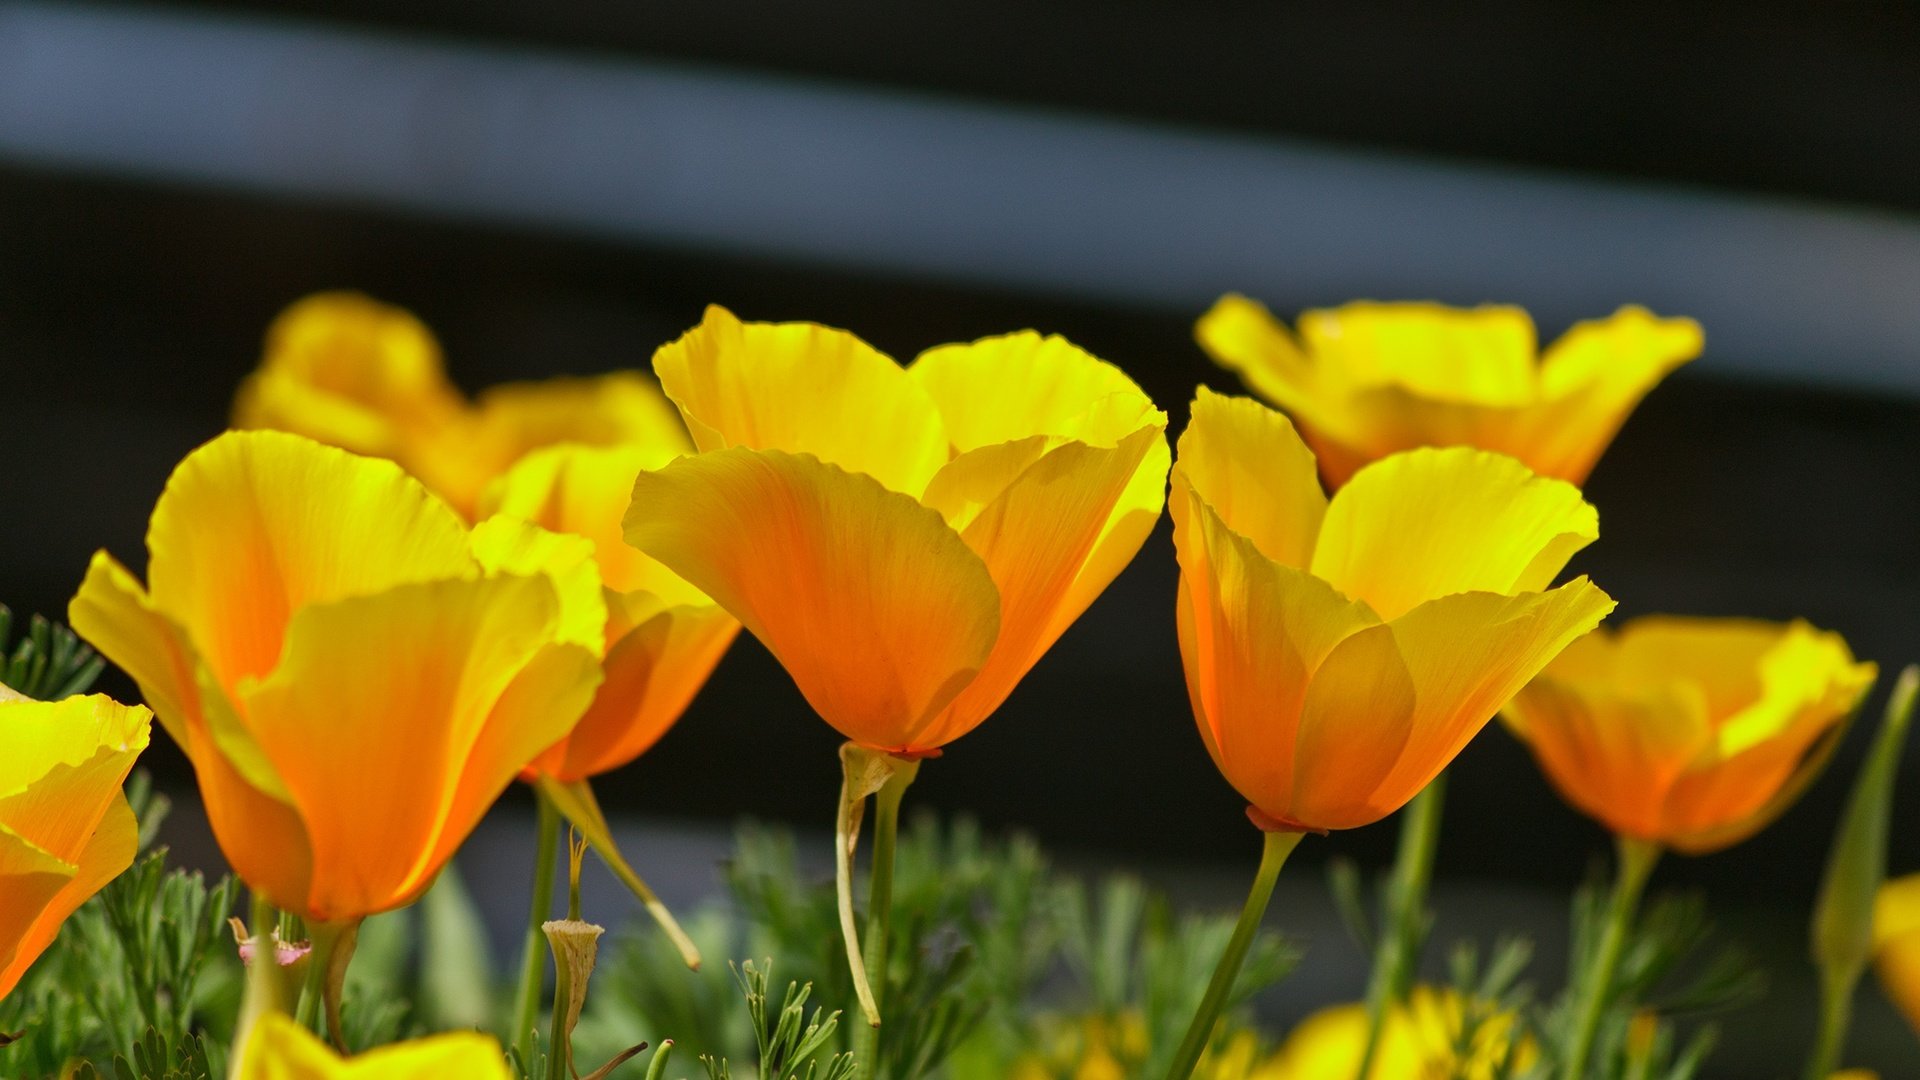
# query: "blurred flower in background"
352,372
1365,379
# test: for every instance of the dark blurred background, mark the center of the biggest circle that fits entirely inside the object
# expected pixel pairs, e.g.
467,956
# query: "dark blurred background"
561,187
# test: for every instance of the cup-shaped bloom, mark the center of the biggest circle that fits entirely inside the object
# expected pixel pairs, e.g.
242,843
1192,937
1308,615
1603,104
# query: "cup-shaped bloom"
1365,380
906,541
1896,944
65,827
663,636
1431,1034
1340,652
354,673
278,1048
1692,733
352,372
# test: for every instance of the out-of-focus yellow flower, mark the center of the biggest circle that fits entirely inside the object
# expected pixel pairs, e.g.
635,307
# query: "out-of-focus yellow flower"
1339,652
1896,944
65,827
280,1049
1417,1040
1116,1048
1692,733
352,372
354,673
663,636
907,541
1365,380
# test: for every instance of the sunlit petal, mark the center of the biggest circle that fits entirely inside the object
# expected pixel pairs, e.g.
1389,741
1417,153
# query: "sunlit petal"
878,610
1430,523
803,388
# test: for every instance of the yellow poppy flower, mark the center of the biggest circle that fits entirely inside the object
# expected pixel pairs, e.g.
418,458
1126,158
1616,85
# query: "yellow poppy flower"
907,541
1688,732
365,376
352,372
663,636
1418,1039
354,673
1340,652
280,1049
1365,380
65,828
1896,944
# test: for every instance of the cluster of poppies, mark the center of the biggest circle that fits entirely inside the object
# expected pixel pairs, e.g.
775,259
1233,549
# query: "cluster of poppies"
378,602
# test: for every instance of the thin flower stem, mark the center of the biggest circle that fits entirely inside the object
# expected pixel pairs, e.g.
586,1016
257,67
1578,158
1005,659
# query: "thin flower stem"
1273,856
1637,858
559,1039
1836,1012
312,990
1394,953
533,960
263,990
886,829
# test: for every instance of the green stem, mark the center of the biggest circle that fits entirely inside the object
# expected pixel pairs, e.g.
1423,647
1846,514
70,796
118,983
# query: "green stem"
886,830
1273,856
1395,953
263,991
559,1040
1637,858
312,989
1836,1011
533,966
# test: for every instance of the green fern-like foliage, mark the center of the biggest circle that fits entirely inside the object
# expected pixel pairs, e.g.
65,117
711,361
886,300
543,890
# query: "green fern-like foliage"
48,662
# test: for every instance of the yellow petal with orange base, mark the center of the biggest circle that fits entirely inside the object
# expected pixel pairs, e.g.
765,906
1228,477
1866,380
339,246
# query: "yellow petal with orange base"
878,610
280,1049
803,388
455,686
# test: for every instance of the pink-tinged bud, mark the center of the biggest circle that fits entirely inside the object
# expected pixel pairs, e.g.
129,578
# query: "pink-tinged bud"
285,953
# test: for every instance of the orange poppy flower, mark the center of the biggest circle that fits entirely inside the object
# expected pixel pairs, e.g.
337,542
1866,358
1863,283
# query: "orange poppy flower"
1340,652
1365,380
65,828
907,541
354,673
1691,733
